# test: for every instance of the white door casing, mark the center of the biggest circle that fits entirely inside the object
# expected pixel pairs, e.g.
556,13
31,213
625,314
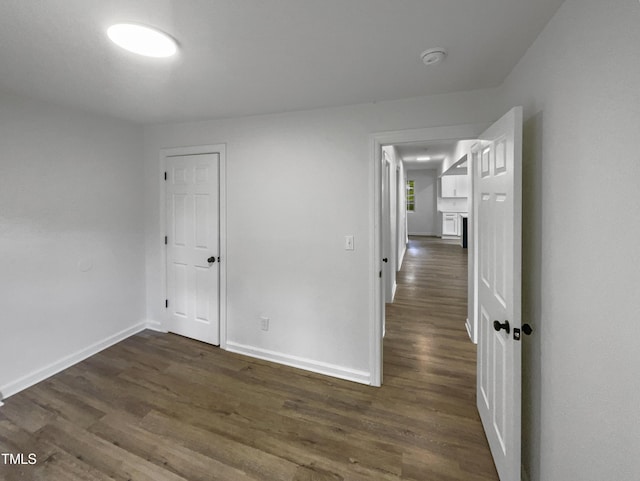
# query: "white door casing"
497,223
193,239
376,284
473,154
401,205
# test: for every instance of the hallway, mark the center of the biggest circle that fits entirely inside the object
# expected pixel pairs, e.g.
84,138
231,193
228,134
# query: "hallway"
430,360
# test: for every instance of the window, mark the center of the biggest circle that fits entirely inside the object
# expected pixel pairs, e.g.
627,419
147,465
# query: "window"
411,197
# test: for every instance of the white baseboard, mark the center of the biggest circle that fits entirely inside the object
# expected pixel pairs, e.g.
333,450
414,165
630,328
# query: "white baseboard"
425,234
156,326
402,254
472,336
327,369
43,373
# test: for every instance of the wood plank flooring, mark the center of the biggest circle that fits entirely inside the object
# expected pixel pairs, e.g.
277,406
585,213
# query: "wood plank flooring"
161,407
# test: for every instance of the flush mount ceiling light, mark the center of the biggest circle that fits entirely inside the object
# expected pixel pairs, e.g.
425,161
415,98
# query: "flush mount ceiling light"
433,56
142,40
424,157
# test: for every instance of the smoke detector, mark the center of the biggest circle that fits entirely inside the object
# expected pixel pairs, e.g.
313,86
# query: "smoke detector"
433,56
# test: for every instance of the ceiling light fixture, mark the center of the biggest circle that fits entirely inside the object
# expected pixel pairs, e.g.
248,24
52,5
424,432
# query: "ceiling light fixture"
426,157
433,56
142,40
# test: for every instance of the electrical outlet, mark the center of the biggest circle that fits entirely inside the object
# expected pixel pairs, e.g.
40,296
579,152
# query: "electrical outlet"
264,323
348,242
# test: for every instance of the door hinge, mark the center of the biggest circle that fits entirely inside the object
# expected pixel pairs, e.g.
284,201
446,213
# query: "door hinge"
166,240
165,176
166,303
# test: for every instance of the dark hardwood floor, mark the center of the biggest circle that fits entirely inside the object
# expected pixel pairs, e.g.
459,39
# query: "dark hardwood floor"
161,407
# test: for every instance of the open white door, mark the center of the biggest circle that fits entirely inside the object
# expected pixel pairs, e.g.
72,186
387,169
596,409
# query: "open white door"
193,246
388,273
497,224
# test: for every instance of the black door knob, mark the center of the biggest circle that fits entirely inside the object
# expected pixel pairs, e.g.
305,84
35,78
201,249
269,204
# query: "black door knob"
385,260
526,328
211,260
497,325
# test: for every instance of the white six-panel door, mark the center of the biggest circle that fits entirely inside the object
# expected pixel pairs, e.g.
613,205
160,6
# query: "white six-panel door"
497,225
193,274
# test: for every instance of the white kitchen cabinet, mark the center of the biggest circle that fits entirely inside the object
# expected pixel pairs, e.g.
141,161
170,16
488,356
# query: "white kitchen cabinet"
447,186
462,186
450,223
454,186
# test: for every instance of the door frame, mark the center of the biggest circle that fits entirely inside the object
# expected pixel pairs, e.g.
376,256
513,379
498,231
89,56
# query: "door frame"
221,150
376,283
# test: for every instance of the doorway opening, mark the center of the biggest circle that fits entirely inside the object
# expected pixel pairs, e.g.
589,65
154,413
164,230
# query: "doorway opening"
425,340
494,276
387,213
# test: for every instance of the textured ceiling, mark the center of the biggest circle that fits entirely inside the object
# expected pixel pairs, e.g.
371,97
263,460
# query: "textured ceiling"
246,57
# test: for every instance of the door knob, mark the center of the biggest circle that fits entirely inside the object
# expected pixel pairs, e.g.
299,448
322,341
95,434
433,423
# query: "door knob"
385,260
526,328
211,260
498,326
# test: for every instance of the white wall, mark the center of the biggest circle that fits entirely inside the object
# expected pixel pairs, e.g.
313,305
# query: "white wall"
460,149
297,183
424,220
70,199
580,86
448,204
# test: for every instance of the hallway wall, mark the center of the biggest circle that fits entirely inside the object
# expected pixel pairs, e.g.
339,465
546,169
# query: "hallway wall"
424,220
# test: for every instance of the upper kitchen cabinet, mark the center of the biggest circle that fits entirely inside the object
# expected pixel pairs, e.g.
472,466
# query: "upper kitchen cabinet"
454,186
